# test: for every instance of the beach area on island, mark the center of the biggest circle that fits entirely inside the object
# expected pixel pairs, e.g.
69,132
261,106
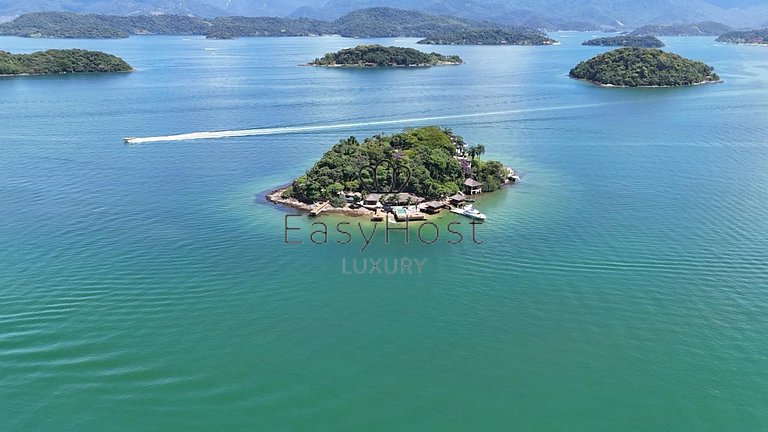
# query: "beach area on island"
276,197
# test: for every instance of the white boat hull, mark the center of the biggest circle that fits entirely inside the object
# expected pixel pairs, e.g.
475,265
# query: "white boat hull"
475,216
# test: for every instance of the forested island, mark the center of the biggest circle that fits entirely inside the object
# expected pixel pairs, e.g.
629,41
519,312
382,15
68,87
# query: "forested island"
370,22
60,62
749,37
439,162
643,67
706,28
381,56
490,37
626,41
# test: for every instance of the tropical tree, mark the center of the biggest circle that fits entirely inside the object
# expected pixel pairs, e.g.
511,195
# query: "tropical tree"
479,150
476,151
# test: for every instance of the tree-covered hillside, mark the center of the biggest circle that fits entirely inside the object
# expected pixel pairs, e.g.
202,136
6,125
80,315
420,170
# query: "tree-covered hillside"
643,67
391,22
490,37
706,28
377,55
232,27
428,152
754,37
374,22
626,41
60,62
555,14
549,14
69,25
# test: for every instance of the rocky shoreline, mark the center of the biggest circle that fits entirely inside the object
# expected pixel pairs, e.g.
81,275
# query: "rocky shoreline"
371,65
599,84
276,197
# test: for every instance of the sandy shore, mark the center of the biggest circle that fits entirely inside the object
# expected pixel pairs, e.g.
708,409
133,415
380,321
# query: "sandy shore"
276,197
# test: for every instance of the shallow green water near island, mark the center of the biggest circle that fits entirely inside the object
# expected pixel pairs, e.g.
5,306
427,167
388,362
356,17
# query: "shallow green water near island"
622,285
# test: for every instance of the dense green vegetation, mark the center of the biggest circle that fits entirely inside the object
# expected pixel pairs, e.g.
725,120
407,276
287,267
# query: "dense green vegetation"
627,41
372,22
754,37
559,14
60,62
706,28
427,152
380,56
490,37
643,67
232,27
549,14
391,22
69,25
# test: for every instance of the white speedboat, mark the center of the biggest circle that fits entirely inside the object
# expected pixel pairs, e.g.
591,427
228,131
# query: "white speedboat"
470,212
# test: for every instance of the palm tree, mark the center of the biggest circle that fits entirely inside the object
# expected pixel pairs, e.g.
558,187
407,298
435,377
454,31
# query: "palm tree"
479,150
472,152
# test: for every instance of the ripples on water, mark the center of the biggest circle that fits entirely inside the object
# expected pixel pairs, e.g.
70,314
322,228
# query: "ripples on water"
145,287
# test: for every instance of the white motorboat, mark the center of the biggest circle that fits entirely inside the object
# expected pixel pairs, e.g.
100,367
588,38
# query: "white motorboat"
470,212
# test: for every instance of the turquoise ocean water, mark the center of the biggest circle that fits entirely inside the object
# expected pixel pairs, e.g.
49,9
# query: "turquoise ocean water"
622,285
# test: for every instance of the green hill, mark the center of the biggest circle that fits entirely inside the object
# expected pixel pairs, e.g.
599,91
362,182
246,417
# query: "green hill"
60,62
232,27
428,152
70,25
643,67
490,37
380,56
391,22
706,28
373,22
626,41
749,37
555,13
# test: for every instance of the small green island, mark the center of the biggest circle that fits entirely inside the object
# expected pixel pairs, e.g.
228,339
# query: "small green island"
381,56
626,41
55,61
643,67
427,169
749,37
490,37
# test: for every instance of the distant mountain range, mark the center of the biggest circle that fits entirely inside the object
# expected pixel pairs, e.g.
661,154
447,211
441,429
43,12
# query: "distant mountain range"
551,14
371,22
13,8
554,13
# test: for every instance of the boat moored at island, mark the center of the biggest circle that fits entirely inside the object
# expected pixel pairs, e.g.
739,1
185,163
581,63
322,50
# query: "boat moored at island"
469,211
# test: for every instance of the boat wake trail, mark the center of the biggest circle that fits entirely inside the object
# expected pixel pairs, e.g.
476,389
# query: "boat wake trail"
316,128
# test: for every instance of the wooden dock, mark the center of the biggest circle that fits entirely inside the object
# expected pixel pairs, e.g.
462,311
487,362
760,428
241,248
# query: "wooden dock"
318,209
378,216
